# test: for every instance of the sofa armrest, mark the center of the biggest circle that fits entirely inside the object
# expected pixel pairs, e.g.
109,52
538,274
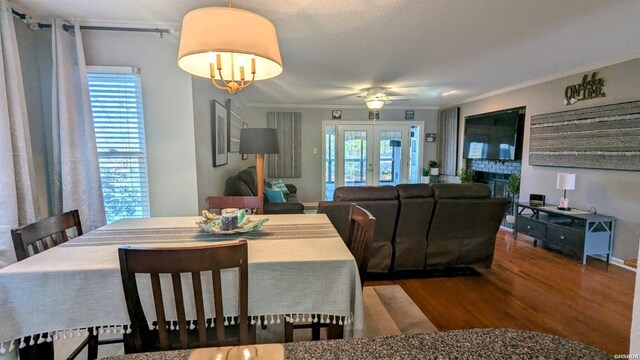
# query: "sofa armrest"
283,208
292,188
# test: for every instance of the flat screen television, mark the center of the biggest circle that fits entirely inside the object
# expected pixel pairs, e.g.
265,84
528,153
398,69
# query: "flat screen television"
494,136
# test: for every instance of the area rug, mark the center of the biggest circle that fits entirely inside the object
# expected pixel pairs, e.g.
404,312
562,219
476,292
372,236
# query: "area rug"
388,310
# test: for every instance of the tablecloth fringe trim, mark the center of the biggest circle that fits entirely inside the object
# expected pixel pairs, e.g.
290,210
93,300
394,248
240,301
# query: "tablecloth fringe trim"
61,335
210,322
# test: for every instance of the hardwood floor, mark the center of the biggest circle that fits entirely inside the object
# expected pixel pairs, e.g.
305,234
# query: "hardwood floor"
535,289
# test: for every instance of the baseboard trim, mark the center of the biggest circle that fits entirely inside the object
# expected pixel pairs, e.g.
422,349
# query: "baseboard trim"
615,261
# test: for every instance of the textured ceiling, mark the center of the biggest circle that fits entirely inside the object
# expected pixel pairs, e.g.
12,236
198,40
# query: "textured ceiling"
331,49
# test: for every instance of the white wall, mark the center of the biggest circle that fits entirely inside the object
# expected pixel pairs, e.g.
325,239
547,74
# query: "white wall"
310,184
168,113
611,192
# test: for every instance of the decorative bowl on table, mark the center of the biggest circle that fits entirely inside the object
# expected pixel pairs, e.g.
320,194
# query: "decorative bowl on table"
212,223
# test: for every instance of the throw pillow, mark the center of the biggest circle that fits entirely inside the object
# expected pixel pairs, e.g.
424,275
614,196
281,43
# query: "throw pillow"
274,196
280,184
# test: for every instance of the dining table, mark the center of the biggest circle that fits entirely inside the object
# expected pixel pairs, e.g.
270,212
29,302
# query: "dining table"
299,270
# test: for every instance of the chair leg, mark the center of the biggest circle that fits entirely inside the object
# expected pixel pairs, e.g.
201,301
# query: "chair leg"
288,331
92,347
315,331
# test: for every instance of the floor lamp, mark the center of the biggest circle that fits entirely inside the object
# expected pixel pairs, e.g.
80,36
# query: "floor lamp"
259,141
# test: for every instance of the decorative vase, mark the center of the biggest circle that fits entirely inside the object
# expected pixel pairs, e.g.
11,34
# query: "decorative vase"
434,171
425,179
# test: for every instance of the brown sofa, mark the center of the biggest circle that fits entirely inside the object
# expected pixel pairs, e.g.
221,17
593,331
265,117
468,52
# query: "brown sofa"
421,227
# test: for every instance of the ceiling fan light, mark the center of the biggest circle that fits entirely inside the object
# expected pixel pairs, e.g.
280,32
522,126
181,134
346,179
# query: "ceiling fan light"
375,104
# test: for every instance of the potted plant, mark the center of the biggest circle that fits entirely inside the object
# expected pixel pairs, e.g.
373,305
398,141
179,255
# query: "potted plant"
513,187
425,176
467,176
433,168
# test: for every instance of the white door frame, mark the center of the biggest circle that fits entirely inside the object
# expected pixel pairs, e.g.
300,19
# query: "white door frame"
387,124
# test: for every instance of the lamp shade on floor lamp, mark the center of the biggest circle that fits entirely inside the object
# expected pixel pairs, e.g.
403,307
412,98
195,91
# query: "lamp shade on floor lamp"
259,141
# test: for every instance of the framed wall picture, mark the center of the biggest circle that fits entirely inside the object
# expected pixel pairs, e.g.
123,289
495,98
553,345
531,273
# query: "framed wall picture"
409,114
336,114
245,156
430,137
373,113
234,124
219,134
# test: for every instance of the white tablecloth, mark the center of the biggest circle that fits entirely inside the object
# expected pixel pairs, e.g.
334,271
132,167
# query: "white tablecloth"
298,265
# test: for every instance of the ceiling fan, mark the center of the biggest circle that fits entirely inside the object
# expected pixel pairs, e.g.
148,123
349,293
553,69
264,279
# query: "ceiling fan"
376,97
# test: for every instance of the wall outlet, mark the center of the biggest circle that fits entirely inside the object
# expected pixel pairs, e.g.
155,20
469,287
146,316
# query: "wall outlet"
315,150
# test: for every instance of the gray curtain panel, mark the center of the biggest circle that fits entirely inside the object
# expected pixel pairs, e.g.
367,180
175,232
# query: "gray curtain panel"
448,140
287,164
18,200
76,174
603,137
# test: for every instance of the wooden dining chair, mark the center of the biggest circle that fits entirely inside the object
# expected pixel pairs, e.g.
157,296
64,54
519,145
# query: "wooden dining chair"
45,234
361,230
176,262
253,203
42,235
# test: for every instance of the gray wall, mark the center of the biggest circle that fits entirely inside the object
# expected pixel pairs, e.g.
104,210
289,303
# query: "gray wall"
211,179
310,184
611,192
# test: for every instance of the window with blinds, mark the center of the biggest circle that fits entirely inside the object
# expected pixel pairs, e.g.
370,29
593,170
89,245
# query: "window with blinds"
116,103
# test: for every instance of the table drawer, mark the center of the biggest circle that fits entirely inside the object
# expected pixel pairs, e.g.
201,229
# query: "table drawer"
531,227
565,237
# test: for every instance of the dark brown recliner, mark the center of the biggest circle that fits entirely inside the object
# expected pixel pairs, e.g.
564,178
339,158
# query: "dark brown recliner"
416,207
464,226
382,203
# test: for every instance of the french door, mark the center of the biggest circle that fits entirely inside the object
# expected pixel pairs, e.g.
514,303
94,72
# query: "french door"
367,154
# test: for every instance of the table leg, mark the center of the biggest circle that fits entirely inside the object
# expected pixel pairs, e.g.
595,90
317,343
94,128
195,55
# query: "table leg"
42,351
335,331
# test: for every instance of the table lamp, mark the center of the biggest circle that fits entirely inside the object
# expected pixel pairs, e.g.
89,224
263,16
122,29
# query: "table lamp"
259,141
565,182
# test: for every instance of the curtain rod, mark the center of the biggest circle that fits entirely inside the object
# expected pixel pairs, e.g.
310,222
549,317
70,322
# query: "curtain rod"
67,27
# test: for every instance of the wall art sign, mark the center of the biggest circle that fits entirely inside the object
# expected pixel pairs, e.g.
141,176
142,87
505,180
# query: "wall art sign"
589,88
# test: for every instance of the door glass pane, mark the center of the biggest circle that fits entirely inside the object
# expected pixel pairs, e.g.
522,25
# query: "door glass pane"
414,167
330,162
390,157
355,158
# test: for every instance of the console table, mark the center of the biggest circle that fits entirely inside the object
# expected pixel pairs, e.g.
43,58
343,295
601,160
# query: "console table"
577,232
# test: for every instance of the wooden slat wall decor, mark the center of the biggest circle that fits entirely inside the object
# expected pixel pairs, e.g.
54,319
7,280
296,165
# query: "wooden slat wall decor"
287,164
603,137
448,121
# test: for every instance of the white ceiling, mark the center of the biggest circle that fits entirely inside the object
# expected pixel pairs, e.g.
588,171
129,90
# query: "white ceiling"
331,49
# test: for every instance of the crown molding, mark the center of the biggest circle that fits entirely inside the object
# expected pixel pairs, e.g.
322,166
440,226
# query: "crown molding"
335,106
572,72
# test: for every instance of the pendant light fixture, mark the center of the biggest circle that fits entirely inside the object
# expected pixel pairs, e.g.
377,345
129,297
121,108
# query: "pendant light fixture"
232,47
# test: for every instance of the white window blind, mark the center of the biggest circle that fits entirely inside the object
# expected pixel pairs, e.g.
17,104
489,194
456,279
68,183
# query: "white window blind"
116,102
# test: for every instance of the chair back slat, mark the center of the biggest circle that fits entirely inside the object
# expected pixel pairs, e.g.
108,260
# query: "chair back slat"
179,302
159,305
217,294
361,233
39,236
176,262
197,292
241,202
